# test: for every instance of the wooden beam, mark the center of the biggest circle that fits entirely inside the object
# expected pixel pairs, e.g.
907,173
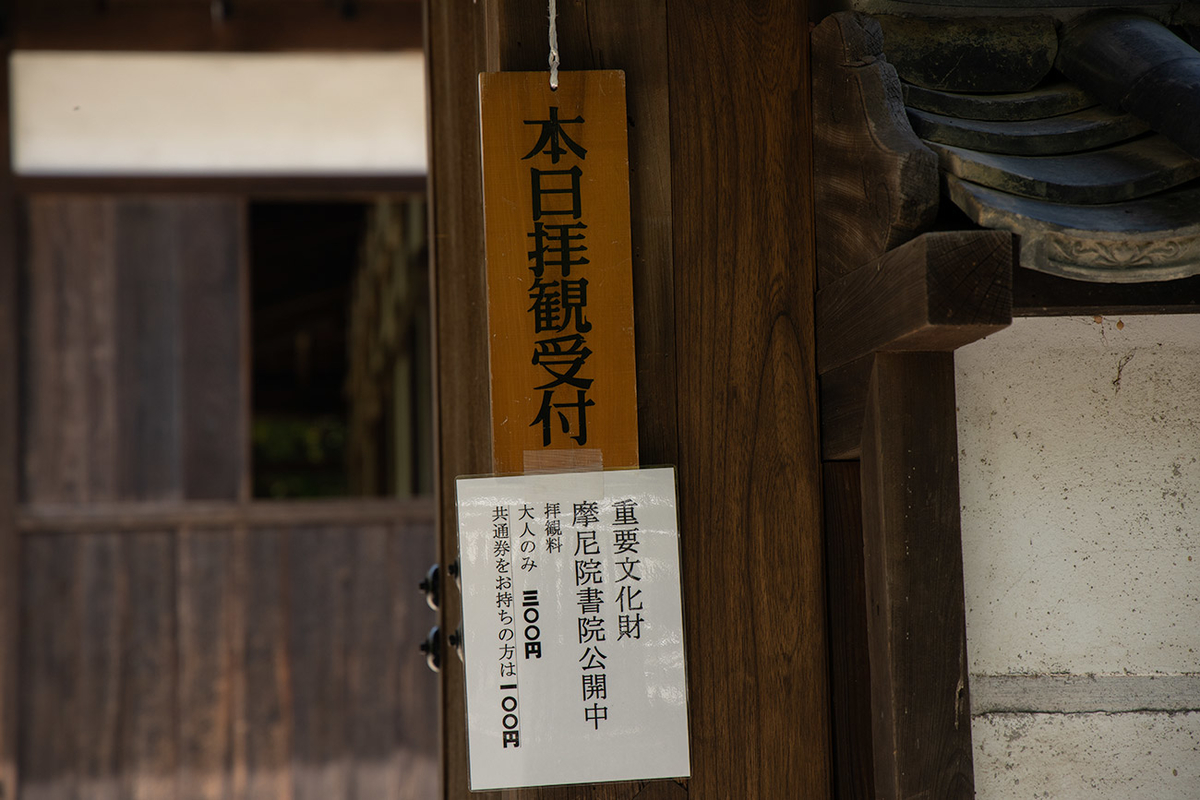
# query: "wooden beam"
849,662
749,473
193,26
843,403
916,623
10,587
455,50
1037,294
258,187
717,351
936,293
167,515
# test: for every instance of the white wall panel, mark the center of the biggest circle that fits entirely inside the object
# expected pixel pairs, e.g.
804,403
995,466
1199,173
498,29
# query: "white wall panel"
218,113
1080,487
1087,756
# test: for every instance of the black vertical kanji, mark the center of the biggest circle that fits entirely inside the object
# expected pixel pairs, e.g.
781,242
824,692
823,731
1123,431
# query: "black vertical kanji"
552,134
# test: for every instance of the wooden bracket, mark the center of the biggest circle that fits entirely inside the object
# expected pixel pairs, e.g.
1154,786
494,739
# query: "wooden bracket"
885,337
934,294
876,184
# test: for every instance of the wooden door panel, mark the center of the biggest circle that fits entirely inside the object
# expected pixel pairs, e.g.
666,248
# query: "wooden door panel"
134,346
239,662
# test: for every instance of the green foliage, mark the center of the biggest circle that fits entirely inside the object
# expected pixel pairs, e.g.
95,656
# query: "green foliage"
299,456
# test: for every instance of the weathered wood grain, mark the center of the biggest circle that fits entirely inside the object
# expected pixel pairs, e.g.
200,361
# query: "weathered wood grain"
98,714
875,183
456,53
916,629
10,434
47,714
227,663
70,392
206,603
103,599
416,757
318,574
51,517
147,745
937,292
843,402
189,25
210,237
849,661
374,657
263,690
748,448
148,347
135,385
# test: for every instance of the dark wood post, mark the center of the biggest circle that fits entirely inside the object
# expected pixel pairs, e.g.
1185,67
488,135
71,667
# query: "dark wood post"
455,52
912,555
718,96
9,437
886,335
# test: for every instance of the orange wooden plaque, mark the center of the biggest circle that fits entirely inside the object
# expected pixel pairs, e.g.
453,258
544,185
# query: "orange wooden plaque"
559,270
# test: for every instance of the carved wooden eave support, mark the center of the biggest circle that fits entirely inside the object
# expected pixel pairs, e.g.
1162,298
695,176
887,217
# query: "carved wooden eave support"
890,311
1073,190
875,183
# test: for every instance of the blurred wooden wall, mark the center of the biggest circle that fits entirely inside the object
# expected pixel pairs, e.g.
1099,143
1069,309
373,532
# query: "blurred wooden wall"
175,639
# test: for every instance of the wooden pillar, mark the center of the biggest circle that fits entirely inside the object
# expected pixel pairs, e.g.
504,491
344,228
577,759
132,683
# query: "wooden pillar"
886,335
9,452
455,48
748,445
849,659
912,554
723,277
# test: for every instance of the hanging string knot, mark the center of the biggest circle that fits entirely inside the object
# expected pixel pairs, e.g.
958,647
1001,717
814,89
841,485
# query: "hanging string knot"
554,60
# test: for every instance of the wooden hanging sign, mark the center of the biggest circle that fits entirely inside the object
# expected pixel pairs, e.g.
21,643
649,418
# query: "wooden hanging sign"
559,270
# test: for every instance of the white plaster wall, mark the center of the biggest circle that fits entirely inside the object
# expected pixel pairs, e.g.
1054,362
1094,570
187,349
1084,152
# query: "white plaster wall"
1094,756
1081,496
1079,473
217,113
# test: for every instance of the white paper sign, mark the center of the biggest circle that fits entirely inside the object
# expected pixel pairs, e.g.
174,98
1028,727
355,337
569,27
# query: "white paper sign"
573,628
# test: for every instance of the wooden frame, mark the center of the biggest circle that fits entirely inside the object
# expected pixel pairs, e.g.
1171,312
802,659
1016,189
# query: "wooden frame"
201,25
898,652
724,350
322,187
10,587
894,304
254,27
886,333
107,517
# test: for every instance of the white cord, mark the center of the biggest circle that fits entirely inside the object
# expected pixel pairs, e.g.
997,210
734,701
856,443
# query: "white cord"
554,61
